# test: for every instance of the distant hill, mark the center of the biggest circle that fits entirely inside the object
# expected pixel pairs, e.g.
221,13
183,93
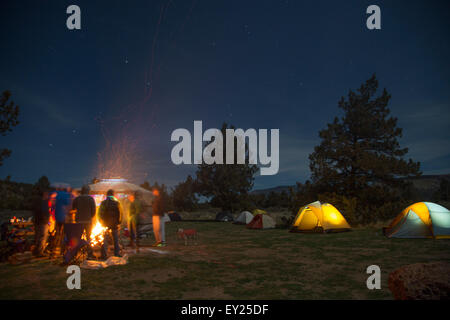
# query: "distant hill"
278,189
425,185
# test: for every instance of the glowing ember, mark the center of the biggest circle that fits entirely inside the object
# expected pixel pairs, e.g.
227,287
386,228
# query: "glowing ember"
97,234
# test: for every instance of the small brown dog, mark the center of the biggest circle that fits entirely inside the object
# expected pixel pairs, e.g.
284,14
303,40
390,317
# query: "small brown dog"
188,234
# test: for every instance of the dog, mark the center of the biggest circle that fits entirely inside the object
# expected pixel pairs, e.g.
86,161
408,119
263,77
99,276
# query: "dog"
188,234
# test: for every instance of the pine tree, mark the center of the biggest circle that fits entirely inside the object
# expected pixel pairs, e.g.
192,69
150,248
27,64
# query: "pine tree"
183,195
43,184
359,154
226,184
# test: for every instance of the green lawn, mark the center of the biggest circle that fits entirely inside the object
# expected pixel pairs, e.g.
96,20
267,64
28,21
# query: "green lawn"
232,262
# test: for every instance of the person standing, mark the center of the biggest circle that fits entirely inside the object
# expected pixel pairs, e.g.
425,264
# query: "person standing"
41,212
85,208
62,203
110,216
126,210
135,209
157,219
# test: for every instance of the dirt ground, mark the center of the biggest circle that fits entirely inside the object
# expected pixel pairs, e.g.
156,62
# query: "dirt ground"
231,262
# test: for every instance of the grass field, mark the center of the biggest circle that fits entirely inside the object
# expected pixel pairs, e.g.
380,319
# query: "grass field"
232,262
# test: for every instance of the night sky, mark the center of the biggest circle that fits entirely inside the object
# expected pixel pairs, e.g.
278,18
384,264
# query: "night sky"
137,70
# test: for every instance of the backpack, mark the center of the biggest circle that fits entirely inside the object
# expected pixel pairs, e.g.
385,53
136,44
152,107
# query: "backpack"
111,214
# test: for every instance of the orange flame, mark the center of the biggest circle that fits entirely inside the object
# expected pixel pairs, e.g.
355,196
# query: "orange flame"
97,234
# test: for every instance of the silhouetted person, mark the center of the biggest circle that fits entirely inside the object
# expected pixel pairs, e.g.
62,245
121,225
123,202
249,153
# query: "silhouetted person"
62,203
4,230
158,221
41,212
134,212
85,208
110,216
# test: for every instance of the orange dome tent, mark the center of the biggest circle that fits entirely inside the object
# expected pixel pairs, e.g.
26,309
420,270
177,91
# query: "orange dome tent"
420,220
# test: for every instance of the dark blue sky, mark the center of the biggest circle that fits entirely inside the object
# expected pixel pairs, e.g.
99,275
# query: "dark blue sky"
254,64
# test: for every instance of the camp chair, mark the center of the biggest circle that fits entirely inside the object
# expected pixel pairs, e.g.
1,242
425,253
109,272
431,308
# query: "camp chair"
76,249
145,230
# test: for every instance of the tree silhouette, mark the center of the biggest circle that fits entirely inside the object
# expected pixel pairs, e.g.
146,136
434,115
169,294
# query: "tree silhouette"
359,154
226,184
43,184
183,195
9,112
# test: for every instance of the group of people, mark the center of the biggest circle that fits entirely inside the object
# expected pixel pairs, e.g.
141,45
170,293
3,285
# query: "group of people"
50,212
53,209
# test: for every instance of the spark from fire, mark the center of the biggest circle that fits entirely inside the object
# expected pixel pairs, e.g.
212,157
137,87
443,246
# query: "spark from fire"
120,156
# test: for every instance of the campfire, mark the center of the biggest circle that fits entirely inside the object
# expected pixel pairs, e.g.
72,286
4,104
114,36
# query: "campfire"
97,235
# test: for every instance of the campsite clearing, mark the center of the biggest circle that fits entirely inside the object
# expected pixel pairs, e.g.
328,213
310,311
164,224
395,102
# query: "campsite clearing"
233,262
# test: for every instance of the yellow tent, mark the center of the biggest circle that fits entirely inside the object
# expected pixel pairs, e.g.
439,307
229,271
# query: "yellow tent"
319,217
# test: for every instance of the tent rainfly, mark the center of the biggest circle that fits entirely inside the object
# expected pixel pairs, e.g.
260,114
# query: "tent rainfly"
261,221
259,211
421,220
319,217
